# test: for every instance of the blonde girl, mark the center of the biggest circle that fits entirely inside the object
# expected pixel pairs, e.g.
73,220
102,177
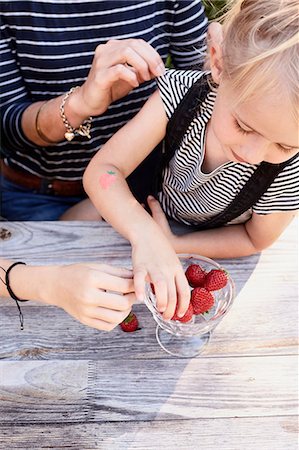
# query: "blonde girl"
250,116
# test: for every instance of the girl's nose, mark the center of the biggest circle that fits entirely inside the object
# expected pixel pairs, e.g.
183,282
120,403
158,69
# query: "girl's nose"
254,148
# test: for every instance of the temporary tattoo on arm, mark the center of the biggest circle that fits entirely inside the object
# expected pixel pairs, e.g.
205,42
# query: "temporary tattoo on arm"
108,178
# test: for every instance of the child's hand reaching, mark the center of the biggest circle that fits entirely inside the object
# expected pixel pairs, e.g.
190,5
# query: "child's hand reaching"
155,261
161,219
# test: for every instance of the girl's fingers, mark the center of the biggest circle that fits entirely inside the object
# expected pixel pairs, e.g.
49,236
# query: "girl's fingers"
172,301
158,213
183,293
161,292
139,283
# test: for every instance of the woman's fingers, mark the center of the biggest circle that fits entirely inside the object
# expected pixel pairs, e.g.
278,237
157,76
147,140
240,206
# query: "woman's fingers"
138,54
111,300
112,270
99,324
107,315
108,282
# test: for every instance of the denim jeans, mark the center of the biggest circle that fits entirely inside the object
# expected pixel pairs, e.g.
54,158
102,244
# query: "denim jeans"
21,204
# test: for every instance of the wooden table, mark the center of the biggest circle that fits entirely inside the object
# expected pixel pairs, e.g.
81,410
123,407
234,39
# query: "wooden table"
63,385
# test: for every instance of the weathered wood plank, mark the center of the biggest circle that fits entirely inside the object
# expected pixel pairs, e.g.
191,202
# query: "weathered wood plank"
263,433
114,390
49,334
61,242
263,319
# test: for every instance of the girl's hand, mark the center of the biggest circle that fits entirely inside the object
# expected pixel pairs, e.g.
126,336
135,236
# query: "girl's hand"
98,295
160,219
117,68
155,261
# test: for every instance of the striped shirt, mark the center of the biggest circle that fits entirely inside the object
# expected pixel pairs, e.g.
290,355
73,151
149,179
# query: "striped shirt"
47,47
192,196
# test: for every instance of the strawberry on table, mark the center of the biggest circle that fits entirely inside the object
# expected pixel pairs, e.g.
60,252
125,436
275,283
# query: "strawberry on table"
201,300
130,323
195,275
216,279
186,317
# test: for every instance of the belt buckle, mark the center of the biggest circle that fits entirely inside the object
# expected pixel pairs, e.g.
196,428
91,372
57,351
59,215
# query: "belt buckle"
46,187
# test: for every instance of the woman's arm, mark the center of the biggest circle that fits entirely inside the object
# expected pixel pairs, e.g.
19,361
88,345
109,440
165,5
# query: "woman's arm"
104,181
118,67
82,290
231,241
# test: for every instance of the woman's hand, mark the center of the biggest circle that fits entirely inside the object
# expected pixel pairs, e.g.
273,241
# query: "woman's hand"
98,295
117,68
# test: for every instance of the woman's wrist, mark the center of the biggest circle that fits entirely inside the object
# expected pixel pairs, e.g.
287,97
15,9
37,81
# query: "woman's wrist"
34,283
75,108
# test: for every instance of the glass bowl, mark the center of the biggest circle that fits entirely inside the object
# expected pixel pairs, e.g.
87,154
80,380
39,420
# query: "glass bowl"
189,339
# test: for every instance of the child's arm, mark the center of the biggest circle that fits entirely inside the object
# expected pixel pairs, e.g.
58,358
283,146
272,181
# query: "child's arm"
231,241
104,181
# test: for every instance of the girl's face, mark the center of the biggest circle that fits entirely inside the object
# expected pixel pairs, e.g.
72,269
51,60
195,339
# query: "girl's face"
262,129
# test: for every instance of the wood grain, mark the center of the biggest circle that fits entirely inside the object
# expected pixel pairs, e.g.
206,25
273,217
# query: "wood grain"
49,334
105,390
63,385
270,433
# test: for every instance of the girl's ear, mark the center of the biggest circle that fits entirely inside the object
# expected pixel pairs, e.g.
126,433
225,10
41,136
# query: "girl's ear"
215,38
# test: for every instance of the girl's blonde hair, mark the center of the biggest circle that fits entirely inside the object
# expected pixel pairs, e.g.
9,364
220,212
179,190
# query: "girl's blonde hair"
261,48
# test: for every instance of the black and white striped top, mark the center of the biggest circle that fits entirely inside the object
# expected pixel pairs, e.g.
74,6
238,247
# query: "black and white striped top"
191,196
47,47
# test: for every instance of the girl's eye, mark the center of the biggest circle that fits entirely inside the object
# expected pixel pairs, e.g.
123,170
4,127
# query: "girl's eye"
286,149
239,128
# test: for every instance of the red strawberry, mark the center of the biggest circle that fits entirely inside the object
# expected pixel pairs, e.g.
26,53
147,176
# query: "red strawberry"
216,279
130,323
195,275
186,317
202,300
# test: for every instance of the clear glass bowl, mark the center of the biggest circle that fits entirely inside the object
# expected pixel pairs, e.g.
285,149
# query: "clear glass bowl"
188,340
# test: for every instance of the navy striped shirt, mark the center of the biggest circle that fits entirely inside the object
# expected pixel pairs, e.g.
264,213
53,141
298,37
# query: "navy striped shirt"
190,195
47,47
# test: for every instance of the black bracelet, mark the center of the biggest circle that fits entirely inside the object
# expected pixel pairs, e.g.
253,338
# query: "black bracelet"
11,293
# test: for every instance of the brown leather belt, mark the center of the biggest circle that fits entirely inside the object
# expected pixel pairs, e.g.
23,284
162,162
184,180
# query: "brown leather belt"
46,186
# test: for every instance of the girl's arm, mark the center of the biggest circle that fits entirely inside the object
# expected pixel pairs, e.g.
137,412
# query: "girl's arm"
104,181
231,241
88,291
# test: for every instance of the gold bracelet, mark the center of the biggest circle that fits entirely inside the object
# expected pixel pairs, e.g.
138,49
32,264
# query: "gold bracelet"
37,127
84,128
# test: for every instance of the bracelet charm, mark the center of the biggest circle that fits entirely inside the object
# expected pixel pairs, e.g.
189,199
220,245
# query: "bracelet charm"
82,130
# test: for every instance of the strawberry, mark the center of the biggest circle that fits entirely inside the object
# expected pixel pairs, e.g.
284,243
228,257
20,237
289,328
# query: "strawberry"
108,178
195,275
201,300
186,317
130,323
216,279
